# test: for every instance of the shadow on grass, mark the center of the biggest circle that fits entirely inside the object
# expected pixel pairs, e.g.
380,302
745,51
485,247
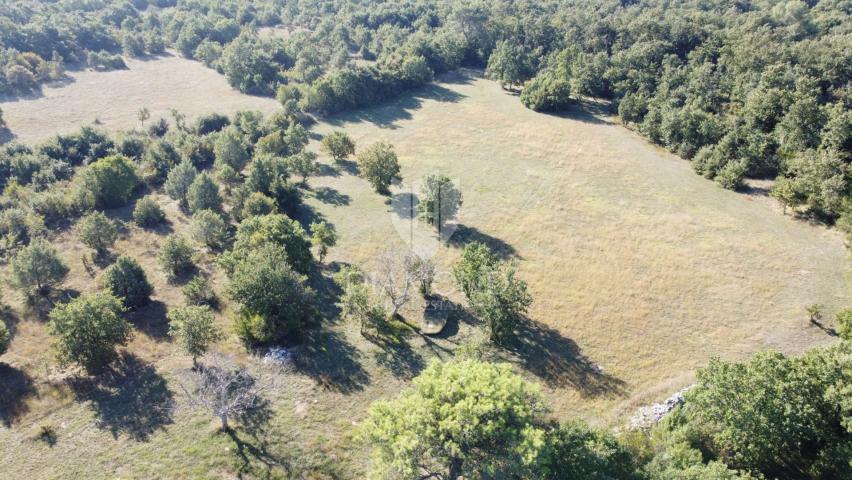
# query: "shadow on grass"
587,111
464,235
559,362
129,398
326,170
16,388
151,320
400,108
331,196
395,353
331,361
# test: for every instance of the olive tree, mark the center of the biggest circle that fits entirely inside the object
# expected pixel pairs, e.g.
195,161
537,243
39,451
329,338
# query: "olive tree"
379,165
87,330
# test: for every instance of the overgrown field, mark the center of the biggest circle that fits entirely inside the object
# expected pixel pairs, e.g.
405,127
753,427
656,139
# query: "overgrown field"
640,270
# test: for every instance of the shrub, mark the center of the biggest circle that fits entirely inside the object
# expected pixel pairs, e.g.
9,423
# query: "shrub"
547,92
175,256
323,236
274,301
111,180
198,291
37,267
193,329
179,180
379,165
210,229
212,122
844,324
203,194
160,157
87,329
97,232
276,229
148,213
127,281
258,204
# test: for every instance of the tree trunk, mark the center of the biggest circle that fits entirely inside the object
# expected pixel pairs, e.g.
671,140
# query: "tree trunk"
224,422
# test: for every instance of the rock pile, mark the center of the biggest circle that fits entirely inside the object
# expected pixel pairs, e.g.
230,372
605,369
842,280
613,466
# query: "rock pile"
648,416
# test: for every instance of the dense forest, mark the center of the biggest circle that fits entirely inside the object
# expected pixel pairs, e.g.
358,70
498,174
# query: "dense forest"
742,89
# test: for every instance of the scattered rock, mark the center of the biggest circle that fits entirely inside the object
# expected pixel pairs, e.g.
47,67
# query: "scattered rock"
648,416
279,357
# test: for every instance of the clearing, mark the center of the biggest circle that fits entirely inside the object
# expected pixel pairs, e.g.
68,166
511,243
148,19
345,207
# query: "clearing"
640,270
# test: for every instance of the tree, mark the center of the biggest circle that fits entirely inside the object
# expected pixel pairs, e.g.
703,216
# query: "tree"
323,236
203,194
175,256
198,291
97,232
509,64
379,165
143,114
37,268
87,329
460,419
159,159
439,200
126,280
303,164
194,330
396,274
548,92
586,452
224,389
148,213
210,229
179,179
844,324
274,301
475,262
258,204
500,300
231,150
276,229
111,180
358,301
338,145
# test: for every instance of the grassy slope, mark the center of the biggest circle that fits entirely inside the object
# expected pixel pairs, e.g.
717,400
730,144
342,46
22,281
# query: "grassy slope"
640,269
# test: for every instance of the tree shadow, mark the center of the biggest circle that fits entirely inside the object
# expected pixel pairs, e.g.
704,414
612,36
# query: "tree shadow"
559,362
404,204
586,111
328,292
395,353
828,330
331,196
6,135
399,108
16,388
331,361
464,235
130,398
349,166
326,170
151,320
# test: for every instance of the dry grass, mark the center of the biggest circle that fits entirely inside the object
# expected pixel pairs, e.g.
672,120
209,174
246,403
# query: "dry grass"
640,270
112,99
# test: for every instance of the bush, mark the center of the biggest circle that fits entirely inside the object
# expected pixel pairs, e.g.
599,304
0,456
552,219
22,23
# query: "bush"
844,324
175,256
258,204
198,291
210,229
179,180
37,268
274,302
97,232
203,194
110,180
158,160
87,329
212,122
148,213
379,165
546,93
127,281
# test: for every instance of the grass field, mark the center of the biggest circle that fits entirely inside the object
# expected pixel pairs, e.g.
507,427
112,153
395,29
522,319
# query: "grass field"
640,269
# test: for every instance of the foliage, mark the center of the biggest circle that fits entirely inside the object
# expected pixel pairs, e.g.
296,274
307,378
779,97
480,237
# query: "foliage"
475,262
87,329
546,92
258,204
198,291
203,194
585,452
37,268
274,229
110,180
179,179
193,329
5,338
147,213
175,256
379,165
844,324
230,149
97,232
500,300
465,418
210,229
303,164
274,302
126,280
339,145
439,200
323,237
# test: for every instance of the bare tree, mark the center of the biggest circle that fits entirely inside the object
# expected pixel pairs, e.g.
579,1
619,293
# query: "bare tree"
396,275
225,389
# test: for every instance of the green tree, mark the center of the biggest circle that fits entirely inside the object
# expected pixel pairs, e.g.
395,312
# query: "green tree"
210,229
587,453
175,256
379,165
475,262
274,302
509,64
147,213
179,179
323,237
97,232
143,114
439,200
111,180
547,92
500,300
844,323
198,291
126,280
37,268
338,145
303,164
276,229
194,330
203,194
258,204
87,330
231,150
461,419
